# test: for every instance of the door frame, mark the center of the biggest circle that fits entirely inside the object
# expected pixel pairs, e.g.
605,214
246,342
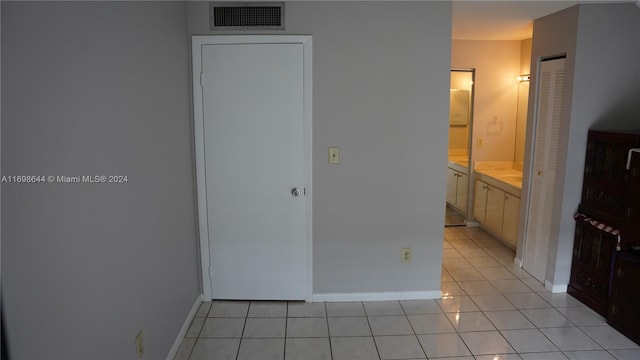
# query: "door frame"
197,42
523,235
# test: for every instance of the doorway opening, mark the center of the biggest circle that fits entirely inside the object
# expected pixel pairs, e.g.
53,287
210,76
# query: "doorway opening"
459,152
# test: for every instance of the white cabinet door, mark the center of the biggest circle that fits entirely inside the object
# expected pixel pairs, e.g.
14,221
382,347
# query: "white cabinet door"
480,201
463,189
510,218
495,209
452,186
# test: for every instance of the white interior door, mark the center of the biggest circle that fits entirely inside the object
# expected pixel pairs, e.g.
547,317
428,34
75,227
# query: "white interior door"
253,104
545,159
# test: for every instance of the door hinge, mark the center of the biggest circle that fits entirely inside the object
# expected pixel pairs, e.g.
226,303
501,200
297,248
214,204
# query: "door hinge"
201,79
629,212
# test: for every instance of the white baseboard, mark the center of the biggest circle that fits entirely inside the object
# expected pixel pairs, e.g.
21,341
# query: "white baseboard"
555,289
185,328
378,296
517,262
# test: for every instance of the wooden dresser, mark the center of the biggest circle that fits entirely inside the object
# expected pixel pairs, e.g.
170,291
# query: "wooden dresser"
608,227
624,312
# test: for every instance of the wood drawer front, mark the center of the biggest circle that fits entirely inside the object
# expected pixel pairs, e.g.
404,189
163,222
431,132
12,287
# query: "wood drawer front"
607,198
630,235
607,155
624,313
596,286
605,173
593,249
591,290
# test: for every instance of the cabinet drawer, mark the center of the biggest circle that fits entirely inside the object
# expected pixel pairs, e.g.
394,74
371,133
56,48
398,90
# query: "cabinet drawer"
605,173
624,314
593,248
593,258
594,285
591,289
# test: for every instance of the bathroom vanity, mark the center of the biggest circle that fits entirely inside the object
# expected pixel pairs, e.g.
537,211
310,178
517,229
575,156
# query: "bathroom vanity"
458,184
496,200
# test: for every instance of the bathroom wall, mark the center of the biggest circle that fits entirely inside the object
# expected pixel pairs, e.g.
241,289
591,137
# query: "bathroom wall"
497,65
459,134
523,104
525,56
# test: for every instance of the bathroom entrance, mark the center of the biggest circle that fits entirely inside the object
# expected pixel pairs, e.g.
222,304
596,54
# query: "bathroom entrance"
459,154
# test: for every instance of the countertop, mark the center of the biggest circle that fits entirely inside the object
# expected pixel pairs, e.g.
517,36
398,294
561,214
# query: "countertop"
500,174
508,180
459,163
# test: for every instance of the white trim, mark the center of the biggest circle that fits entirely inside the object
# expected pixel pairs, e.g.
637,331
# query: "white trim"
472,223
378,296
308,157
185,327
517,262
197,42
555,289
528,165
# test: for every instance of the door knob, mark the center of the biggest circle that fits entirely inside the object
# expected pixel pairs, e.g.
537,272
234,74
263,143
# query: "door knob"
295,192
540,173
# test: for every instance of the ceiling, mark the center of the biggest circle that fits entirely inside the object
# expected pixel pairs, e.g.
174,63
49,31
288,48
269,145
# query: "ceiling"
504,19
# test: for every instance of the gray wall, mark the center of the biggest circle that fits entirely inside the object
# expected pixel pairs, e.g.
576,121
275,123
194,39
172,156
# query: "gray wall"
99,88
553,35
605,95
602,44
102,88
381,80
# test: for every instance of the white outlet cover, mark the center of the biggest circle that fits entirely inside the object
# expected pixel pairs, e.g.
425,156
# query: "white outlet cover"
334,155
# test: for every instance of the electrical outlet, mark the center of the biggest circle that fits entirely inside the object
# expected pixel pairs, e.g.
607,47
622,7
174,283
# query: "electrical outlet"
334,155
407,254
139,345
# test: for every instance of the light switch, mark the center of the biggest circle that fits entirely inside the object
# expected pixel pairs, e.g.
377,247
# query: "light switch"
334,155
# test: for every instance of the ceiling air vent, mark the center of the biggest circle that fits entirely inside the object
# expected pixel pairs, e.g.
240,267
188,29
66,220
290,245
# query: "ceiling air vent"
246,16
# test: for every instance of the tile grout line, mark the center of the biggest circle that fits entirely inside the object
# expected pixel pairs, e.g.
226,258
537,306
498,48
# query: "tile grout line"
413,329
442,312
483,312
533,291
244,326
200,331
373,337
326,317
286,325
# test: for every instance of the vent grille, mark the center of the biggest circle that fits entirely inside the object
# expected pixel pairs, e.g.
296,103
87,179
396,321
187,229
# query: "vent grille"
246,16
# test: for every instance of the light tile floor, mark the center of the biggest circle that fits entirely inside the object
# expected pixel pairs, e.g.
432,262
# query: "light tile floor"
452,217
489,310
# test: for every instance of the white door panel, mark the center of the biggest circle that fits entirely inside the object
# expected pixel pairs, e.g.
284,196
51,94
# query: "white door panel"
545,159
253,105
